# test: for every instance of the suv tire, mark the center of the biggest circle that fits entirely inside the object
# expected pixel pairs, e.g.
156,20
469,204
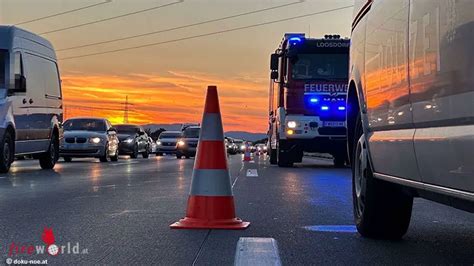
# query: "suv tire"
284,159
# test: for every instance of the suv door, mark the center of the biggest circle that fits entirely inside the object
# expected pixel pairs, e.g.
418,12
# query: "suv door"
387,91
442,91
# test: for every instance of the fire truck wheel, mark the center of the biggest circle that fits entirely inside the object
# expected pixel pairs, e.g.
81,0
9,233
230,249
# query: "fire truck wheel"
284,159
273,156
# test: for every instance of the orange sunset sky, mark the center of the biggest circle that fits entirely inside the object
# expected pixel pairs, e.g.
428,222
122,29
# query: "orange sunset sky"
165,83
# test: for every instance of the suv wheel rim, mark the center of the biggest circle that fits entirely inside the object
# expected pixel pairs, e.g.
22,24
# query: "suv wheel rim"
360,174
52,150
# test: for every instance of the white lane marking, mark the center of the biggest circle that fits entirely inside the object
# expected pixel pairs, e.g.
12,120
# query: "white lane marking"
252,173
2,177
257,251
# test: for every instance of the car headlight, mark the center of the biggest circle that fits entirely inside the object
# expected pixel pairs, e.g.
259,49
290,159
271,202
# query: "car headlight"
158,142
242,147
291,124
129,140
95,140
181,143
265,148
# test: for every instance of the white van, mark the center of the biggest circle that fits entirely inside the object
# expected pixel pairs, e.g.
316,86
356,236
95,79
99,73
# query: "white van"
30,98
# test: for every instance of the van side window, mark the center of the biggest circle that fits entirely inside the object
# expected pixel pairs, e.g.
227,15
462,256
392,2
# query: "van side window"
51,76
18,72
3,62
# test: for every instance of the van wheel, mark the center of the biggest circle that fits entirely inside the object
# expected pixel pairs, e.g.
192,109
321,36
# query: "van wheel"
6,152
381,209
67,159
49,158
146,154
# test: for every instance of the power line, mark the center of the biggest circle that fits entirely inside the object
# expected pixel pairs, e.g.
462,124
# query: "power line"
207,34
63,13
112,18
182,27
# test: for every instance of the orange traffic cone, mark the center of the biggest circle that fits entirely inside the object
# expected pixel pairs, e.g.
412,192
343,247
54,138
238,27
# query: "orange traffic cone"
247,157
210,202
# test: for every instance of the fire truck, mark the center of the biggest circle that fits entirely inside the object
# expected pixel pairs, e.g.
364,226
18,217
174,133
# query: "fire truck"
307,98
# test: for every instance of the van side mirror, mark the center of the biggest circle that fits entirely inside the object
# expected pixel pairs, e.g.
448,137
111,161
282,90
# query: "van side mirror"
112,130
141,133
20,83
274,62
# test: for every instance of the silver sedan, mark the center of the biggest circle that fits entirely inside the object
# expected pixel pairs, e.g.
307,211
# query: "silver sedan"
89,137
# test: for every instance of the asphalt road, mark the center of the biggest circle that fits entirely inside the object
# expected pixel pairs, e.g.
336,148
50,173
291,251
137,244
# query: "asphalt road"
120,212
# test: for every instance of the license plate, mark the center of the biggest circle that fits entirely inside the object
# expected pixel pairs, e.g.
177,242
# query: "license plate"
334,123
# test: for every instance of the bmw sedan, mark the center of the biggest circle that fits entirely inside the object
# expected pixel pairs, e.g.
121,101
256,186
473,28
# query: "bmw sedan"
89,137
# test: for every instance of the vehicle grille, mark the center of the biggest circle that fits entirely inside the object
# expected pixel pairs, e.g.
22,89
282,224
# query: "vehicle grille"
76,140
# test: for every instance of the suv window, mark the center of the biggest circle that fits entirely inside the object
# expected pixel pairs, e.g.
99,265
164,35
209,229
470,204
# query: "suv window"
191,132
173,135
127,129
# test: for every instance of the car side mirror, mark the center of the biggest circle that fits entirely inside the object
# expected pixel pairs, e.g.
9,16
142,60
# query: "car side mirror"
141,133
112,130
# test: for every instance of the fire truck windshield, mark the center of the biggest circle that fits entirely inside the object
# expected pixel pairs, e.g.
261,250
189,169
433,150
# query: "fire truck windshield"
320,66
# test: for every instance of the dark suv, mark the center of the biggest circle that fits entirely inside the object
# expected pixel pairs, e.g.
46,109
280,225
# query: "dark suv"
187,145
133,140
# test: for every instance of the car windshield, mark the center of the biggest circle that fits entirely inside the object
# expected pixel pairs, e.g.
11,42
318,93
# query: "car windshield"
191,133
320,66
170,135
2,68
127,129
85,124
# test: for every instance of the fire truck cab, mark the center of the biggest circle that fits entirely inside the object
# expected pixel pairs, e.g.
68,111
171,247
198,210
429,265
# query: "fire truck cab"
307,98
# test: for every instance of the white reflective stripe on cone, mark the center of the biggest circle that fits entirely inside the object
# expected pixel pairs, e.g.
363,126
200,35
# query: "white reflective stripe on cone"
211,127
211,182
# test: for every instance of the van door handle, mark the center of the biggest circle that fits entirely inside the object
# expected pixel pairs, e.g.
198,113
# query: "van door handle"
31,101
24,101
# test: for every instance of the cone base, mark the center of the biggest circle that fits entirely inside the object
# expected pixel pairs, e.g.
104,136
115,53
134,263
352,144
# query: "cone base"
226,224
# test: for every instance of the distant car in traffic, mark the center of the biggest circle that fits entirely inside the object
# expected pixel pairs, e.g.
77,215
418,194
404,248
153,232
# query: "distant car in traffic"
133,140
410,122
89,137
31,107
167,142
240,144
188,143
231,146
